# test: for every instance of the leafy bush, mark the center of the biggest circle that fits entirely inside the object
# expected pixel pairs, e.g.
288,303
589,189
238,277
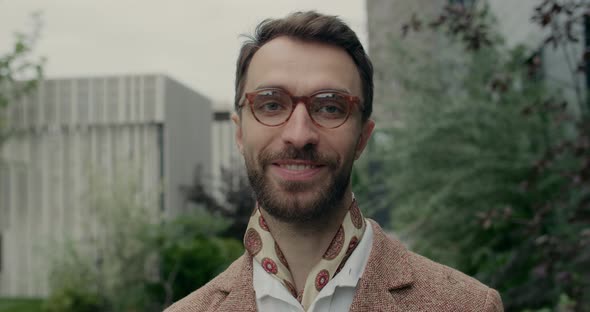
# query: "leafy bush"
68,299
191,255
74,283
481,180
138,261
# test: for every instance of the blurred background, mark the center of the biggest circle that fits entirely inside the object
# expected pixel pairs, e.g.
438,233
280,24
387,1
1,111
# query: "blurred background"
121,188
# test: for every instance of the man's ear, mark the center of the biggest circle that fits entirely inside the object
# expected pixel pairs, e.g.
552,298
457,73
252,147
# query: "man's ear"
238,135
366,132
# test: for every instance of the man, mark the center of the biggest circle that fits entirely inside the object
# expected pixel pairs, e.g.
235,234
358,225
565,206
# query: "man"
303,102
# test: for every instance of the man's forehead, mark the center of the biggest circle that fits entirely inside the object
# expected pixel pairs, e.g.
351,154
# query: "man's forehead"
302,66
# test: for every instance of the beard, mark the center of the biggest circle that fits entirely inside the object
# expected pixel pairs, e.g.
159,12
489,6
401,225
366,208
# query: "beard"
280,201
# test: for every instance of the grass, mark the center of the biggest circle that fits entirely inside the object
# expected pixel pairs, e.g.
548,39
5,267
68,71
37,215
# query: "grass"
20,305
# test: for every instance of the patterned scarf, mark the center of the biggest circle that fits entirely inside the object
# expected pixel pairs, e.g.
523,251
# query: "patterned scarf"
261,245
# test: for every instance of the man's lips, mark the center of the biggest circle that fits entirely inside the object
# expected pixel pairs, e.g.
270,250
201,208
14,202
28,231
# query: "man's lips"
297,165
296,170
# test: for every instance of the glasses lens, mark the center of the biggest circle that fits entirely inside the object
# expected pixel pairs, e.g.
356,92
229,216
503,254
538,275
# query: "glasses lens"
329,109
271,107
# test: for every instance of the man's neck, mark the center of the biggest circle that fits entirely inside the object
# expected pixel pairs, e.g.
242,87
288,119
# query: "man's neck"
303,245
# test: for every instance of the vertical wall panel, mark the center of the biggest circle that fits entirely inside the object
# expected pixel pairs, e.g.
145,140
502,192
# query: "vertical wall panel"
40,105
74,129
224,153
128,96
112,99
121,100
51,103
98,100
11,266
22,233
32,112
5,196
28,216
66,184
82,101
36,217
65,102
136,87
55,154
149,98
141,93
75,187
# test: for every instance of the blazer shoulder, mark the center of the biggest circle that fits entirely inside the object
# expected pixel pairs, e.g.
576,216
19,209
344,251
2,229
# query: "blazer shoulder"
210,296
452,288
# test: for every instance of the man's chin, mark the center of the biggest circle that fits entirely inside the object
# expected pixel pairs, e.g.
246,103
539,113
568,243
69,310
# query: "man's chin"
293,211
298,201
302,194
296,206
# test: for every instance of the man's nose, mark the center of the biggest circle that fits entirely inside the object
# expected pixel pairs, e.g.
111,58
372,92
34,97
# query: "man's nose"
300,130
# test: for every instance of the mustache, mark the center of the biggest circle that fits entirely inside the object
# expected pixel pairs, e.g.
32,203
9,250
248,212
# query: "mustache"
291,152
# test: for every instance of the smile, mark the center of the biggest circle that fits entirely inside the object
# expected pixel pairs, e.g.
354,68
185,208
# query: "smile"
298,167
291,170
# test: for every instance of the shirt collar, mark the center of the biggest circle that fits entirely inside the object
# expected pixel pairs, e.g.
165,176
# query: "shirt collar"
266,285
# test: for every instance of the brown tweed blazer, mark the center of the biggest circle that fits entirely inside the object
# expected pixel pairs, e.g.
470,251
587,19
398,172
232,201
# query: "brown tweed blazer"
395,279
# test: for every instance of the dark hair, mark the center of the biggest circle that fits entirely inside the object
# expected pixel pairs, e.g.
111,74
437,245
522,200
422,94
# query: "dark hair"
309,26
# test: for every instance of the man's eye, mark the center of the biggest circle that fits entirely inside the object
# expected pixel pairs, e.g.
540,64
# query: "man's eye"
271,106
330,109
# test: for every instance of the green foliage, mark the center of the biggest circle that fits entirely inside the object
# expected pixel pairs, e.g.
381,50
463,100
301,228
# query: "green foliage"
235,206
565,304
106,268
465,173
20,71
191,255
68,299
74,281
20,305
132,259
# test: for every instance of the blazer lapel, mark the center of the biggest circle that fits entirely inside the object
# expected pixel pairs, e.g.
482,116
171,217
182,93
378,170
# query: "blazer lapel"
240,291
387,270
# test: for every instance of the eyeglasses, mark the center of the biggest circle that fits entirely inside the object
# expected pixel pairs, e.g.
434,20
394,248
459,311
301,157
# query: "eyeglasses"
327,109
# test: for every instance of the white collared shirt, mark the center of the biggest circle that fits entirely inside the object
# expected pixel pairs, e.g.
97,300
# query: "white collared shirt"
336,296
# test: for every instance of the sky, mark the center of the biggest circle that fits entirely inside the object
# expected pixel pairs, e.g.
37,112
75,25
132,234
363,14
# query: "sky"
193,41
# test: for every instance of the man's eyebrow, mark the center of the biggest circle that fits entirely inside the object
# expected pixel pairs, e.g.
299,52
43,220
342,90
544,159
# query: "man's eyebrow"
261,87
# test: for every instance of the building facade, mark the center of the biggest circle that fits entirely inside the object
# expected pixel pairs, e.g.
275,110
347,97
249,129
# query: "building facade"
225,157
71,130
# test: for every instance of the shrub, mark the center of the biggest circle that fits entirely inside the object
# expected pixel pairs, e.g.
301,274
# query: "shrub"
138,261
490,176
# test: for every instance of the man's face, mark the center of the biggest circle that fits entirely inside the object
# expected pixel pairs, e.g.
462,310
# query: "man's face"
300,171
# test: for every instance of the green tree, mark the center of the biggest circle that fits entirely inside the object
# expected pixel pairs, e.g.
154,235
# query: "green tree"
20,71
488,168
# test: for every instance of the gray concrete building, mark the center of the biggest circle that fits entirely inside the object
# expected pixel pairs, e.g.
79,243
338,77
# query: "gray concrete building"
71,129
225,154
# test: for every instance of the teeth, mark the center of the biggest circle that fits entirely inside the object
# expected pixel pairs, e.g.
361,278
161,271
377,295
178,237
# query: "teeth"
297,167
